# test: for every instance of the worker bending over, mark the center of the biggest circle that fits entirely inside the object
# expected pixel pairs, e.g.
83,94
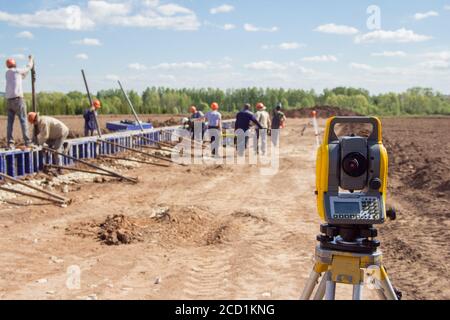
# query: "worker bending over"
90,118
15,103
263,118
51,132
214,120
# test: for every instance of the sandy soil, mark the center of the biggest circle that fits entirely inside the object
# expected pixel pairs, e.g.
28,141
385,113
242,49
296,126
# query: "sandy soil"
211,232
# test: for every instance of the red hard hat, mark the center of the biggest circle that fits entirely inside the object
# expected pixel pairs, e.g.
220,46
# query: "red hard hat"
32,117
192,109
260,106
215,106
96,104
11,63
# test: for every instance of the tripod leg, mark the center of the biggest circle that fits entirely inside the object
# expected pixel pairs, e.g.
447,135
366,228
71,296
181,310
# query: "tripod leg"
310,285
386,287
320,293
330,287
357,291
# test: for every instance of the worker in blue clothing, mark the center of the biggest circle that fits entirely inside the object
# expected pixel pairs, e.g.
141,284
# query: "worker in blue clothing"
243,121
90,124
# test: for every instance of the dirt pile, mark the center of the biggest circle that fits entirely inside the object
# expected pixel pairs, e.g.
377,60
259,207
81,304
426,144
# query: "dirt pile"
322,112
162,225
119,229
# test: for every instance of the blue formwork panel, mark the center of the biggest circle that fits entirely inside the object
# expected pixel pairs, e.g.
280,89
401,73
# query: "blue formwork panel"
10,165
19,163
2,164
28,163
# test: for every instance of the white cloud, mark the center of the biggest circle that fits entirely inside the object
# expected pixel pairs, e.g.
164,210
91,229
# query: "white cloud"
360,66
322,58
103,9
225,8
181,65
389,54
112,77
332,28
447,7
401,35
173,9
251,28
82,56
145,14
19,56
228,26
88,42
436,64
137,66
436,60
70,18
443,55
380,71
290,45
167,77
425,15
267,65
25,35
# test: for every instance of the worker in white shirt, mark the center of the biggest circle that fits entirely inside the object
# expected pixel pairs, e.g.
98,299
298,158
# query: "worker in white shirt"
214,120
263,118
15,103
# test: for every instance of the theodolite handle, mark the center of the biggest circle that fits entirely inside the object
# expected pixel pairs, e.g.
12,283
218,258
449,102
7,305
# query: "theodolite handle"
375,136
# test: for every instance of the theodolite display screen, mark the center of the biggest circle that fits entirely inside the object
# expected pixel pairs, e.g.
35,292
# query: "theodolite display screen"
346,207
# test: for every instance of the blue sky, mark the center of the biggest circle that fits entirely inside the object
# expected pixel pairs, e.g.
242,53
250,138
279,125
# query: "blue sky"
231,44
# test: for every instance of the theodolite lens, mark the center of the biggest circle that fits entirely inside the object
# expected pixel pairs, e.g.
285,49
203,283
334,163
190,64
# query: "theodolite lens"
354,164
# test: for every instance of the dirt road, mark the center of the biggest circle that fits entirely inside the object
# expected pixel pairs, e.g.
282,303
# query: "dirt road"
227,232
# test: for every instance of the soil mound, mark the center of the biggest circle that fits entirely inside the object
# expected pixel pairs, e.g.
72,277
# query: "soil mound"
162,225
322,112
119,229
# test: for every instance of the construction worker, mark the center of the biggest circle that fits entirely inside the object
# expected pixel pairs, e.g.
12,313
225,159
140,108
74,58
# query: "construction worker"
51,132
214,122
263,118
90,115
196,117
278,123
243,120
15,103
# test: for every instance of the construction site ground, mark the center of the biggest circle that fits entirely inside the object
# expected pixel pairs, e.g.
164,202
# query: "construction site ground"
222,231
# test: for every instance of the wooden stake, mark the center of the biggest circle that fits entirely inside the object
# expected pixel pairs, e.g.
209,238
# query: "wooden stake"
7,177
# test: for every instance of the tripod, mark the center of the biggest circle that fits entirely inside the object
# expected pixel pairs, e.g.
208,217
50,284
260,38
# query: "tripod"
348,268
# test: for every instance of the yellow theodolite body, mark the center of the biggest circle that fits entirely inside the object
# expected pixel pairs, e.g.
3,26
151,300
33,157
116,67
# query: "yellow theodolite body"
323,168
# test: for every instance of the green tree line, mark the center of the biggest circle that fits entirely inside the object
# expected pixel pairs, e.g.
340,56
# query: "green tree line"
415,101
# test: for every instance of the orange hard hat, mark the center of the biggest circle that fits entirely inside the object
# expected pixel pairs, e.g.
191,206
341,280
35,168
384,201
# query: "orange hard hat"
96,104
260,106
11,63
215,106
192,109
32,117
